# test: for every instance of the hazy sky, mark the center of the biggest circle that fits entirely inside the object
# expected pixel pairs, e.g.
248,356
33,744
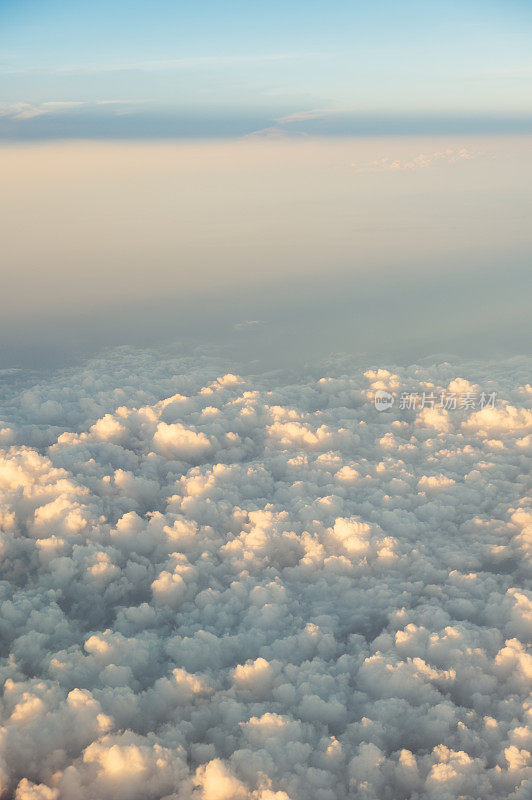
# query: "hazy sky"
347,176
402,246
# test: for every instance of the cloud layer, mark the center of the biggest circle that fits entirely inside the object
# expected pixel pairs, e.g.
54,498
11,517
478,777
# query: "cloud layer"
136,118
224,588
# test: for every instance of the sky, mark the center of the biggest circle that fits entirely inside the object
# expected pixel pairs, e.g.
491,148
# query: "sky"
217,69
201,165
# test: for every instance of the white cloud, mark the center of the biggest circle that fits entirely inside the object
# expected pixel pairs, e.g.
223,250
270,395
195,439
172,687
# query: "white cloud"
231,587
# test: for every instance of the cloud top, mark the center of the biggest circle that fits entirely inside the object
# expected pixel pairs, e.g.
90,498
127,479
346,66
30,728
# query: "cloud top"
221,587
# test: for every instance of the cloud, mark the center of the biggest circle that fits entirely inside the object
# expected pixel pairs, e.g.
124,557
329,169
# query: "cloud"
28,111
420,161
144,118
155,65
223,587
21,111
355,122
247,324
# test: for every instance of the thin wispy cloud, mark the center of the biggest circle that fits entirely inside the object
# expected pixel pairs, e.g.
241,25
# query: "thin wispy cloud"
153,65
346,121
282,125
21,111
28,111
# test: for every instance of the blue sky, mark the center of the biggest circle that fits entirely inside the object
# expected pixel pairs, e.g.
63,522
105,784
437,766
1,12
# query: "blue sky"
117,69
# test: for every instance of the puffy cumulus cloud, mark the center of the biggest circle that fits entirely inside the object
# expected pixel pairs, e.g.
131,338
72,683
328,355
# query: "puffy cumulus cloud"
179,441
218,587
